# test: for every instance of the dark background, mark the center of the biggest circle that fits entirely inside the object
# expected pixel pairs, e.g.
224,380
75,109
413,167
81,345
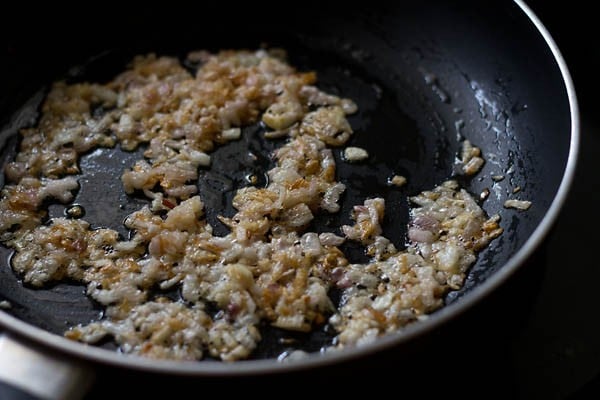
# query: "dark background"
557,352
538,337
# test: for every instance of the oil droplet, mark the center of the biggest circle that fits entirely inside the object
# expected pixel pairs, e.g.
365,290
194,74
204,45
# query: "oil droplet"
430,79
518,108
75,211
433,82
441,93
251,179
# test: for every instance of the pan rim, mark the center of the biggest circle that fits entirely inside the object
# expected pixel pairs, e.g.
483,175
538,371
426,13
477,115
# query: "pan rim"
442,316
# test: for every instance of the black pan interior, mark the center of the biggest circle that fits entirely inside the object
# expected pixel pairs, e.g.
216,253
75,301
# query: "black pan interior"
425,77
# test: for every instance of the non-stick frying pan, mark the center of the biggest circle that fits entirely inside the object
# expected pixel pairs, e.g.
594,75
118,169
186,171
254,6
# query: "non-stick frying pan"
424,77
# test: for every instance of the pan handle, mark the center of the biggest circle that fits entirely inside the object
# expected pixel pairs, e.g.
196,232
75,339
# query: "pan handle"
28,373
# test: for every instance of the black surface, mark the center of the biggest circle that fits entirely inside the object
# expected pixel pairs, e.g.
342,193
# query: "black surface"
537,338
11,393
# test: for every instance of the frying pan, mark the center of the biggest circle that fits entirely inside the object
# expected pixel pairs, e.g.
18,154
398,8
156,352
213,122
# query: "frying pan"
424,77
